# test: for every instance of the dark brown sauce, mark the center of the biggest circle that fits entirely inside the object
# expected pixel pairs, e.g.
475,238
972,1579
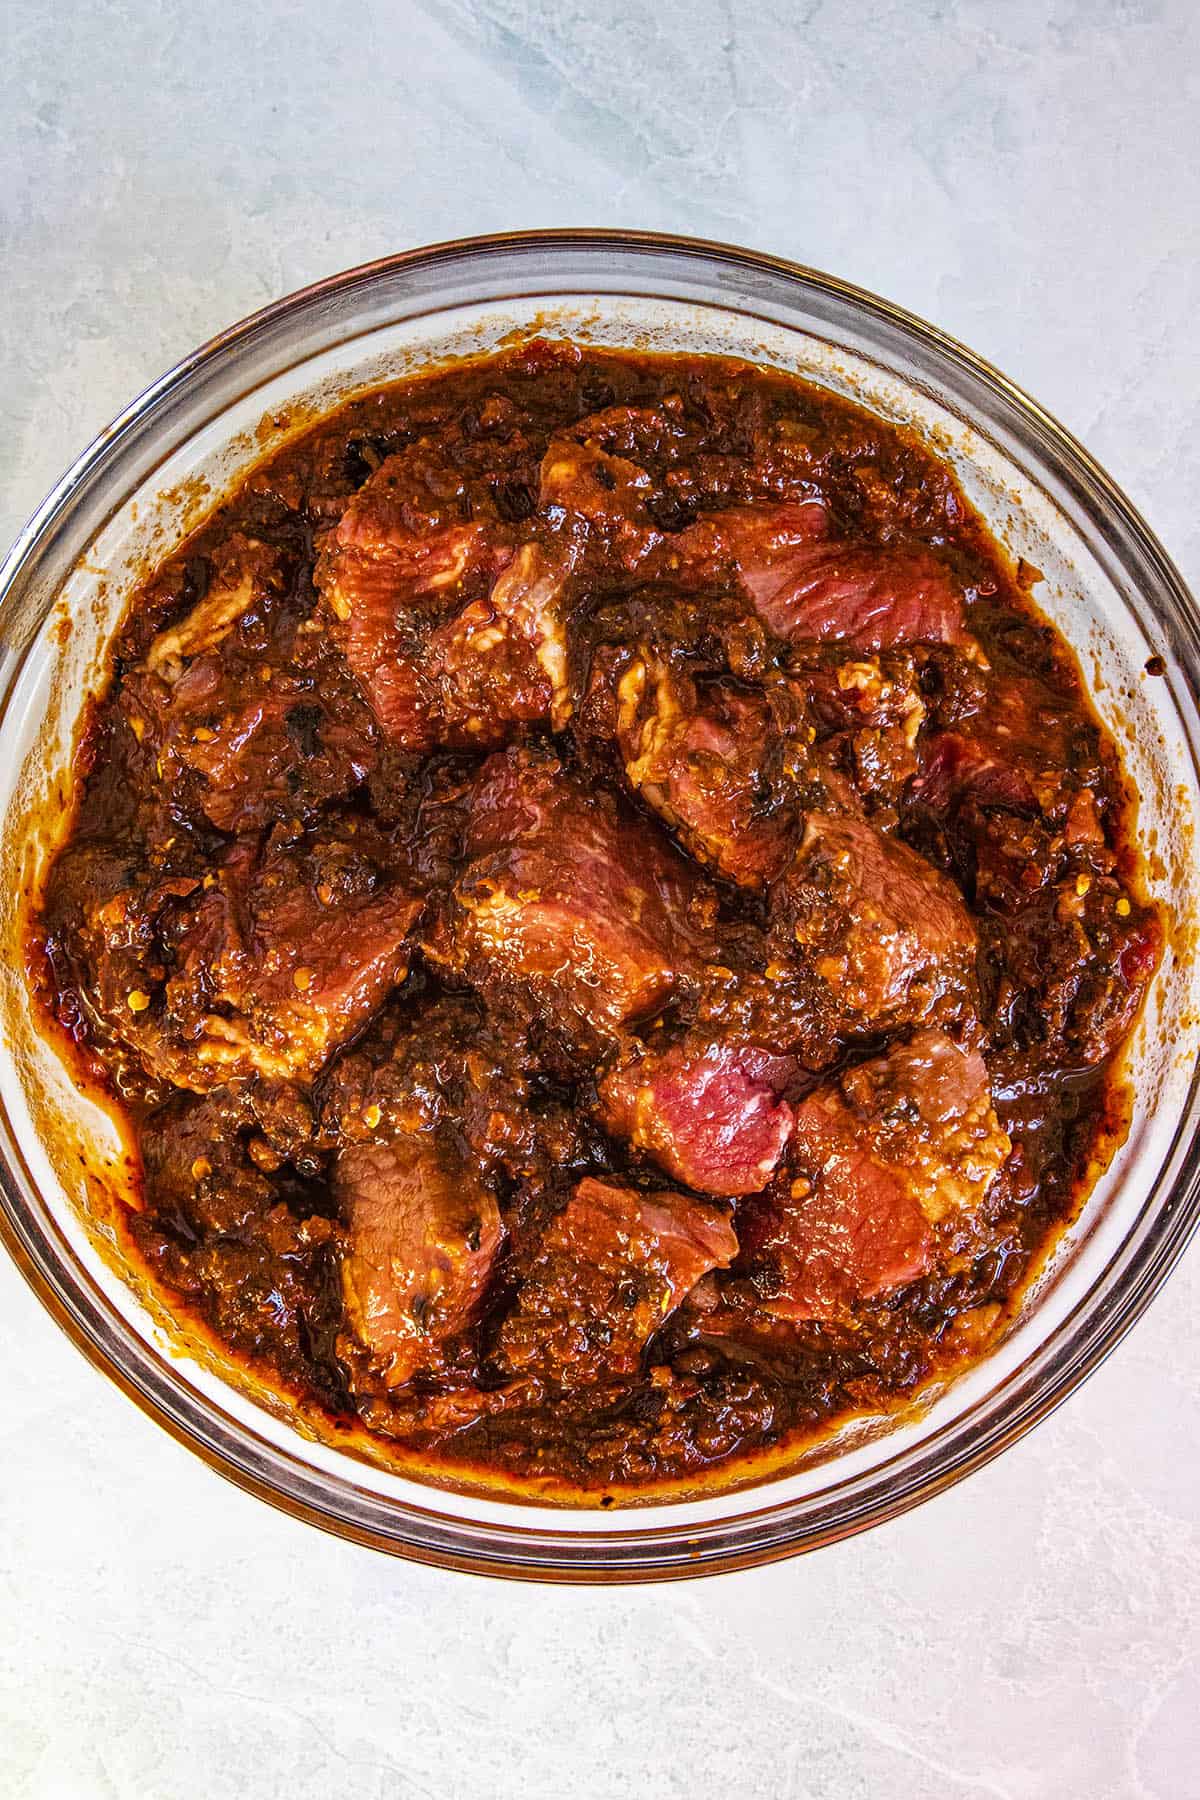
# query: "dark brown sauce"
1005,785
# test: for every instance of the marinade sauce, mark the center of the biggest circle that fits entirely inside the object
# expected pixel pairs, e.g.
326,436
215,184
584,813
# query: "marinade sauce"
608,916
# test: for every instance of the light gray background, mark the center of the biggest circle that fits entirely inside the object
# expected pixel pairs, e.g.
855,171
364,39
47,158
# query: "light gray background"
1024,173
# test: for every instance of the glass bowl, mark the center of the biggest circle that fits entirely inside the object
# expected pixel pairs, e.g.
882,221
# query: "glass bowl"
1108,585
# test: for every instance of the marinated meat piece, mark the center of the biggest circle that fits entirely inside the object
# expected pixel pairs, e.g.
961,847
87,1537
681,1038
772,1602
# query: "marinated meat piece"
247,573
712,764
907,1145
446,1062
1024,750
927,1109
783,1008
805,585
609,1269
874,598
705,632
845,691
597,475
104,937
854,1233
243,710
281,960
709,1113
261,742
423,1233
870,711
197,1168
409,1075
454,632
756,547
644,477
503,659
953,765
247,1250
1069,971
566,904
283,753
387,600
884,929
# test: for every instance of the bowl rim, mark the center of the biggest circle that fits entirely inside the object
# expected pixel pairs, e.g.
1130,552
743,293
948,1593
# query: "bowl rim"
1179,1207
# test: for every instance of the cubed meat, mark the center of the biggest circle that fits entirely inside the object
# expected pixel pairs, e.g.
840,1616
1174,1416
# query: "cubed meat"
106,941
637,478
598,475
456,635
953,766
804,584
243,710
240,1249
567,903
502,661
709,1113
282,753
852,1235
282,959
197,1168
607,1272
868,711
446,1062
247,573
387,601
1072,969
712,762
263,968
781,1007
1025,750
260,743
422,1235
873,598
884,929
896,1158
926,1107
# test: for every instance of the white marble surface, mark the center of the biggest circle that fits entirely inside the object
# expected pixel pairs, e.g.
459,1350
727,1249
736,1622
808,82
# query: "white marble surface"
1024,174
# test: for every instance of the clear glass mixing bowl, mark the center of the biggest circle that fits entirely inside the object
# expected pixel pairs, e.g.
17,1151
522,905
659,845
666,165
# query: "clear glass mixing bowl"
1108,585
